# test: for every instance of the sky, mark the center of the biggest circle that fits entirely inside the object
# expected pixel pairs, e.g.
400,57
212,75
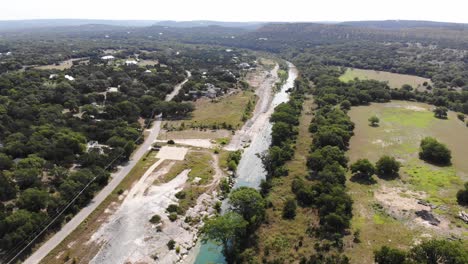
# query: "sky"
237,10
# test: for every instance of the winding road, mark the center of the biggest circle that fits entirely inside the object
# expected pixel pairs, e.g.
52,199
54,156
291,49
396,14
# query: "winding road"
116,178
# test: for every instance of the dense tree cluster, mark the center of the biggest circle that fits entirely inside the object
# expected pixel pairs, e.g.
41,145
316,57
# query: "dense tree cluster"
428,252
61,129
234,230
285,120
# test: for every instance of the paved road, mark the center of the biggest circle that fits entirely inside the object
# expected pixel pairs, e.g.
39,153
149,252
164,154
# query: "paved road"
117,177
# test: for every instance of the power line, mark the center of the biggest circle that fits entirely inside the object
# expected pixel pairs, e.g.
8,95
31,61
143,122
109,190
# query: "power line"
66,206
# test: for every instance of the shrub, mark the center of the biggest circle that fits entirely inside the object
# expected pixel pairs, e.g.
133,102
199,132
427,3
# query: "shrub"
374,121
387,255
387,166
462,195
173,217
170,142
171,244
289,209
441,112
173,208
155,219
434,152
181,195
363,168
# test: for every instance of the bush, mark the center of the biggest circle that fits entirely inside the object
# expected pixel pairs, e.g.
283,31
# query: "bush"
181,195
173,208
289,209
173,217
155,219
461,117
387,166
363,168
462,195
434,152
170,142
171,244
387,255
441,112
374,121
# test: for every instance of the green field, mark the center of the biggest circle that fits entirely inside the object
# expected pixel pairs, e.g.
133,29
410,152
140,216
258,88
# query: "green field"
395,80
393,222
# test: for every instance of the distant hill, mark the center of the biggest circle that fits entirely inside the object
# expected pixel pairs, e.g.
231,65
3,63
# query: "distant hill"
12,25
404,24
9,25
206,23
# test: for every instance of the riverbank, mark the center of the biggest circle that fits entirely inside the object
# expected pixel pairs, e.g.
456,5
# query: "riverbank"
255,137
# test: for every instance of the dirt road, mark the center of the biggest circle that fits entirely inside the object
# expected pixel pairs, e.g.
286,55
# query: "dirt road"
116,178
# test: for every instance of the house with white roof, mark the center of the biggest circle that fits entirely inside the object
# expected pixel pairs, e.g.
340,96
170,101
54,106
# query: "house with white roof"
131,62
108,57
70,78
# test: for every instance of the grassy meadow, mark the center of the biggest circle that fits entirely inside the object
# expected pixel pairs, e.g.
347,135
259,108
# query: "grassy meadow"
384,211
395,80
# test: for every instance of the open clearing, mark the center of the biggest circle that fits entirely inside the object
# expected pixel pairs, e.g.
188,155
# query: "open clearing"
384,212
61,66
395,80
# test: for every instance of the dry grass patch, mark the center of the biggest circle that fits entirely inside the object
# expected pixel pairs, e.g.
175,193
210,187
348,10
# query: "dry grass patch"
395,80
282,239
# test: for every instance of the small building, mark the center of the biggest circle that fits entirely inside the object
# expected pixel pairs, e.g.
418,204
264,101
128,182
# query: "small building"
148,71
70,78
244,65
53,76
108,57
112,89
131,62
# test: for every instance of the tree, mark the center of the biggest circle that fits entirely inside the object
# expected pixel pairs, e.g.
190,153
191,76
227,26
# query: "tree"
364,168
461,117
227,230
433,151
441,112
327,155
33,200
407,87
386,255
345,105
249,204
374,121
289,209
387,166
7,188
439,251
462,195
5,162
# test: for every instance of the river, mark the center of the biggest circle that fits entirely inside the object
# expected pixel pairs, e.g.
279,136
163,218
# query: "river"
250,171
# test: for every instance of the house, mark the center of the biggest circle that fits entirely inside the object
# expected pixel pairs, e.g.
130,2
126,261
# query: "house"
147,71
53,76
244,65
70,78
108,57
112,89
131,62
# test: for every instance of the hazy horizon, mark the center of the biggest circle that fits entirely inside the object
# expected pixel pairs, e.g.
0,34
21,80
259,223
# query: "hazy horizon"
238,11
